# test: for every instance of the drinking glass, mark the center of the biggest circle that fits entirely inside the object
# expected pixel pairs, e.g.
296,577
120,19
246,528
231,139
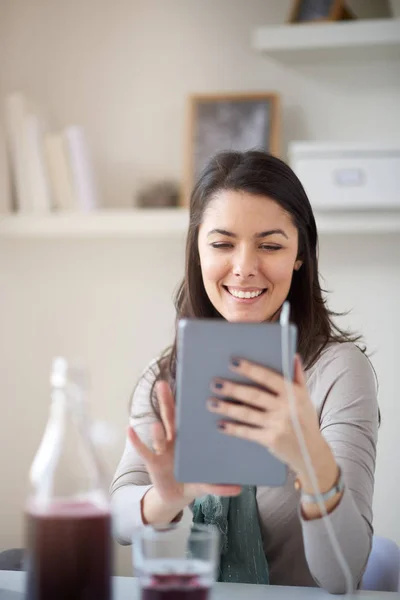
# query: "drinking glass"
174,562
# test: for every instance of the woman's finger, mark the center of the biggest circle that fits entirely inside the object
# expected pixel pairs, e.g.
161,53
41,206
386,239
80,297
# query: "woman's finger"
263,376
167,408
254,434
299,376
245,393
158,437
139,446
232,410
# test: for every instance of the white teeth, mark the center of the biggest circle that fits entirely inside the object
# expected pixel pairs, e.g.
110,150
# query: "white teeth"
242,294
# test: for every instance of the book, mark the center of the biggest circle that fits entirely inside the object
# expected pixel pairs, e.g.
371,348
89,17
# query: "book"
48,170
15,113
59,170
37,174
81,168
29,178
5,184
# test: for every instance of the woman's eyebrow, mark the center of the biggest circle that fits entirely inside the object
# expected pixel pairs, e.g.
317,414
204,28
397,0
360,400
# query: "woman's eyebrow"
222,232
271,232
262,234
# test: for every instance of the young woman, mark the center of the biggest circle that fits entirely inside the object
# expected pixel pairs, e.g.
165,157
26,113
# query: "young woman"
252,244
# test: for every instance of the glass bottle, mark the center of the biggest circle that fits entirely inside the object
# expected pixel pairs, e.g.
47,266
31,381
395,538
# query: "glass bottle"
68,518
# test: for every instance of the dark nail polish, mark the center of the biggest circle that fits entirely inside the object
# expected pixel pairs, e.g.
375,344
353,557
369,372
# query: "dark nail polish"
221,425
235,362
214,403
218,385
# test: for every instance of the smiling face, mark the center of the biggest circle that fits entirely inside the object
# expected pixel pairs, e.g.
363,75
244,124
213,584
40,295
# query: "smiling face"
248,249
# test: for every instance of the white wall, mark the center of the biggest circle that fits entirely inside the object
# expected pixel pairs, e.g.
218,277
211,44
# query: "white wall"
99,303
4,180
123,70
364,276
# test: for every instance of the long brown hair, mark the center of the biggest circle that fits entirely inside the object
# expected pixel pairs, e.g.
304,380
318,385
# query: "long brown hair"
261,174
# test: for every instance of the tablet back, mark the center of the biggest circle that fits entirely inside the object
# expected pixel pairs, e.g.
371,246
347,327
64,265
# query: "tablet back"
204,454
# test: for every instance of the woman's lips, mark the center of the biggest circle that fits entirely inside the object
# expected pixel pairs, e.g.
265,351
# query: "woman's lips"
245,295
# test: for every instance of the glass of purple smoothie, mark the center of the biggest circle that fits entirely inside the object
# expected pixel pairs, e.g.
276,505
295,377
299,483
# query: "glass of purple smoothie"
176,562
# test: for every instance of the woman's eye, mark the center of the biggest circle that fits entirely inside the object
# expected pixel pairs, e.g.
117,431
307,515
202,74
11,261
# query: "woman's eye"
270,248
222,245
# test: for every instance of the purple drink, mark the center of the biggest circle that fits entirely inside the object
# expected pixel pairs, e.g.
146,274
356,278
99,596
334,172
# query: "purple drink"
175,587
176,579
69,553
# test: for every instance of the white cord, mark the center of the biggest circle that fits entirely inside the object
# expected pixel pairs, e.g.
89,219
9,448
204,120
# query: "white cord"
284,322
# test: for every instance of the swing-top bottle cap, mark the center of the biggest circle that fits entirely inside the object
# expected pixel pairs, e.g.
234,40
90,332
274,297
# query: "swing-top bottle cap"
59,372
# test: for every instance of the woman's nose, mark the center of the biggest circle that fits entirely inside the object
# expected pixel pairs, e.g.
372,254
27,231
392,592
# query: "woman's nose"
245,264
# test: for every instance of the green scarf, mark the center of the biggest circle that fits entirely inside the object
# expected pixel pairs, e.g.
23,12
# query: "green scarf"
242,554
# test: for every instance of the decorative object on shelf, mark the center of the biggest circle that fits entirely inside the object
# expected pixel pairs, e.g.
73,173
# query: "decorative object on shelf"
304,11
354,177
237,121
373,9
395,8
49,170
162,194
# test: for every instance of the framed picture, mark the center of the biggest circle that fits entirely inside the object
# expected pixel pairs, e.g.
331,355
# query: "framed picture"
304,11
220,122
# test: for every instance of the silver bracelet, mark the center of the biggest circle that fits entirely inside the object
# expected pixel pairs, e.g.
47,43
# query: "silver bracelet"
337,488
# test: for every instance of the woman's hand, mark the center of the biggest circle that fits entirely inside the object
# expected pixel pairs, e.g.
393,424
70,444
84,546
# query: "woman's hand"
160,461
265,417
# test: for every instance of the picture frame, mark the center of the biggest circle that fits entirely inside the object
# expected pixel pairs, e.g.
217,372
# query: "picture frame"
314,11
228,121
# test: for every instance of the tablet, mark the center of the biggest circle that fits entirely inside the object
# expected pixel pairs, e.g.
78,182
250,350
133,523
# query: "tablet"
204,454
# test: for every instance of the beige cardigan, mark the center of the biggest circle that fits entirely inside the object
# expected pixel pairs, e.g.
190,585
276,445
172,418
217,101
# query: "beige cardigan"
342,387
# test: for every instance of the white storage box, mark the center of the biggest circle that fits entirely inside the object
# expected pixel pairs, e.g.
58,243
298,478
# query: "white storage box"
348,176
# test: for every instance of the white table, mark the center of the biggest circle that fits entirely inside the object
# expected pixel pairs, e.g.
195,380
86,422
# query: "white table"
126,588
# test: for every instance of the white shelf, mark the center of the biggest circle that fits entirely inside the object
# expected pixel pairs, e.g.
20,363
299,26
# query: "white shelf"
363,39
122,223
168,223
370,222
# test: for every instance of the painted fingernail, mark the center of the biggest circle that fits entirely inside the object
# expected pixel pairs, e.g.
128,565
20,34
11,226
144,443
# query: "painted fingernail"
213,403
221,426
235,362
218,385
